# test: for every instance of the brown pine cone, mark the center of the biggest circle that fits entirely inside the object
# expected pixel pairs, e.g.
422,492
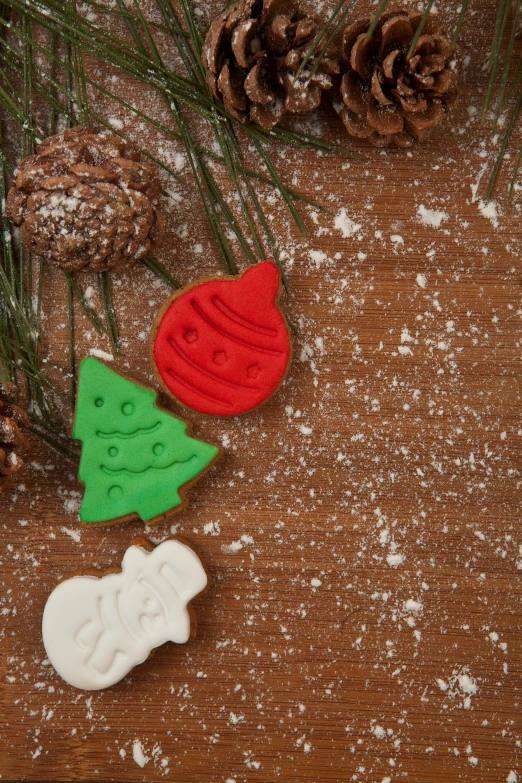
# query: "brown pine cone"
13,443
252,54
85,201
389,99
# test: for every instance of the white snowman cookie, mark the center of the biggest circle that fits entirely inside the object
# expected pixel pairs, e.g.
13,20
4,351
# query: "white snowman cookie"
97,627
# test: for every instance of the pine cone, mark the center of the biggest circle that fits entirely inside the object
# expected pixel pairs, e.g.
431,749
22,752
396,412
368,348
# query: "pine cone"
389,99
13,443
85,201
252,54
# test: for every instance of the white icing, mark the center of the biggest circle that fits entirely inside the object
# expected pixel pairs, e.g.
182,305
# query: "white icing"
96,630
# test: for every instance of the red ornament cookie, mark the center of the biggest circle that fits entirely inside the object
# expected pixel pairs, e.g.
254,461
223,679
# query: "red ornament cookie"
221,346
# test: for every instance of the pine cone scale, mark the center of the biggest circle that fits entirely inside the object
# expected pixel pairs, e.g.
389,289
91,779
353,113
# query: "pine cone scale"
361,56
277,35
357,125
254,87
384,119
33,175
388,65
232,88
352,33
354,97
242,43
85,200
397,32
412,105
87,173
376,88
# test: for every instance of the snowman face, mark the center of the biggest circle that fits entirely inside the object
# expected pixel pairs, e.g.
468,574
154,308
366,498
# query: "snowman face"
147,608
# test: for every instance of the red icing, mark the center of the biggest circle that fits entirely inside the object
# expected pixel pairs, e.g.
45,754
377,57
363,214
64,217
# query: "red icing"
223,347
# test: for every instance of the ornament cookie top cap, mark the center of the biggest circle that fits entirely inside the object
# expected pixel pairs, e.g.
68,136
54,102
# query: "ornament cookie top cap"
221,346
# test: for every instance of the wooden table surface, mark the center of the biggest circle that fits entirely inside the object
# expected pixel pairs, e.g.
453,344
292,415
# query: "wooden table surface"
388,468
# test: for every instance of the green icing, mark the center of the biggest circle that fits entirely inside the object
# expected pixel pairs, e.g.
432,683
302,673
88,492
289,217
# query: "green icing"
135,457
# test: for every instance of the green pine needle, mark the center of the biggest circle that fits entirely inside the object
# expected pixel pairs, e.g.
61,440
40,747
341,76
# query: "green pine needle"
160,272
460,22
375,21
420,28
335,29
105,285
494,58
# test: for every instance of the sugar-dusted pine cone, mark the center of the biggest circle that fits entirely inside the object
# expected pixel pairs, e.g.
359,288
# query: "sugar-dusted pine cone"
390,98
252,55
14,445
86,200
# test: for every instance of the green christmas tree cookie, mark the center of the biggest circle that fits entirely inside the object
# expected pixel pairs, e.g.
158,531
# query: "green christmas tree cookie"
137,459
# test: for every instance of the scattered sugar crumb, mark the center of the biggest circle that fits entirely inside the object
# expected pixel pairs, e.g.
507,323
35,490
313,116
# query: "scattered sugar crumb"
467,684
432,217
489,210
345,224
74,534
138,754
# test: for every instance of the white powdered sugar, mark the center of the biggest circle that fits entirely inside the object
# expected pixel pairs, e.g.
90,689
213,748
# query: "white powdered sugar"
489,210
138,754
345,224
432,217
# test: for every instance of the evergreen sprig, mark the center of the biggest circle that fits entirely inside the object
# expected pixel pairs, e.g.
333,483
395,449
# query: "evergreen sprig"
128,42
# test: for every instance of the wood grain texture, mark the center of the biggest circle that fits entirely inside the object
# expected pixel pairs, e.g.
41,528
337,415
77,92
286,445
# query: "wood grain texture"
309,663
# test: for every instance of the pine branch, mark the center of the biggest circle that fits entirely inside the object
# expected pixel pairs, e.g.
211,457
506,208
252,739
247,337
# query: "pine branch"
65,88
